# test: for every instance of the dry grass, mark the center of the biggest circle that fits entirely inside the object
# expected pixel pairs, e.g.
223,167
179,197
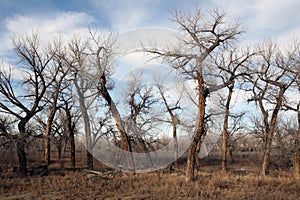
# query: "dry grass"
241,182
155,185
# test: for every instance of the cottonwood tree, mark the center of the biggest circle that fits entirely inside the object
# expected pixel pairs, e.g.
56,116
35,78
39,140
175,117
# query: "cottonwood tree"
22,99
271,78
85,83
101,127
204,35
101,53
294,71
232,66
70,118
60,71
174,118
141,100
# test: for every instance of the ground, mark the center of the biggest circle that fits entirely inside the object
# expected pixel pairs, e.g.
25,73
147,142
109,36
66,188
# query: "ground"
241,182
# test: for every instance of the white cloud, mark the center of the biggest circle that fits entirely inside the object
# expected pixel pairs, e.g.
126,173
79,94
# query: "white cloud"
128,15
265,19
65,23
9,69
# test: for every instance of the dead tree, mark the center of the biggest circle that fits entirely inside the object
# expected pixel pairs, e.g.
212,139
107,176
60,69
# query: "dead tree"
294,71
174,119
232,67
25,101
101,53
271,79
141,100
52,95
205,34
85,85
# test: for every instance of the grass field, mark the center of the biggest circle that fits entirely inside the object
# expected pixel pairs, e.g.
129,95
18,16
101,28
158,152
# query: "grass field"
241,182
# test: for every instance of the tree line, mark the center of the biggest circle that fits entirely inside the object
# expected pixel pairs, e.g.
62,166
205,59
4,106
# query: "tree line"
67,84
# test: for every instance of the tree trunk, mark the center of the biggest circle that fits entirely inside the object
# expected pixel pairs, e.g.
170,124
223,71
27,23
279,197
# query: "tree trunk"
175,145
50,121
87,127
70,130
190,169
267,151
72,144
198,154
297,147
59,150
47,135
119,123
22,158
65,145
225,130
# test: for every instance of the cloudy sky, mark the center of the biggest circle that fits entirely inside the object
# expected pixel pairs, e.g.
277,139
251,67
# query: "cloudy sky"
262,19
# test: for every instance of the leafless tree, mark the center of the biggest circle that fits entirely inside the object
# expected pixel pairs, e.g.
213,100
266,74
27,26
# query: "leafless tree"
101,53
205,34
52,95
85,85
174,119
101,127
271,80
22,99
69,119
232,67
141,100
294,71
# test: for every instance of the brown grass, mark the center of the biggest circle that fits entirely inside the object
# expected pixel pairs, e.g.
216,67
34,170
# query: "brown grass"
241,182
155,185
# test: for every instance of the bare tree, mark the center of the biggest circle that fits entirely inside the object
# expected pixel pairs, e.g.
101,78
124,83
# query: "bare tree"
205,35
271,80
85,85
101,54
294,71
101,127
25,101
174,119
52,94
231,69
70,128
141,100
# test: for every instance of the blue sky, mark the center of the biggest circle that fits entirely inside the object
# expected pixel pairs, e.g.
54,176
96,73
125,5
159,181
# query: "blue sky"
262,19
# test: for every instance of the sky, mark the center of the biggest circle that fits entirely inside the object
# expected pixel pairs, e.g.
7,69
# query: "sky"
262,19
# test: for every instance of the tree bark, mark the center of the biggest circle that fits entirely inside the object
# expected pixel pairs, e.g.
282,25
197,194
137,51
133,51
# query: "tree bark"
267,151
87,126
59,150
190,171
225,130
47,135
198,154
49,123
297,147
70,130
175,145
119,123
21,141
22,158
72,144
